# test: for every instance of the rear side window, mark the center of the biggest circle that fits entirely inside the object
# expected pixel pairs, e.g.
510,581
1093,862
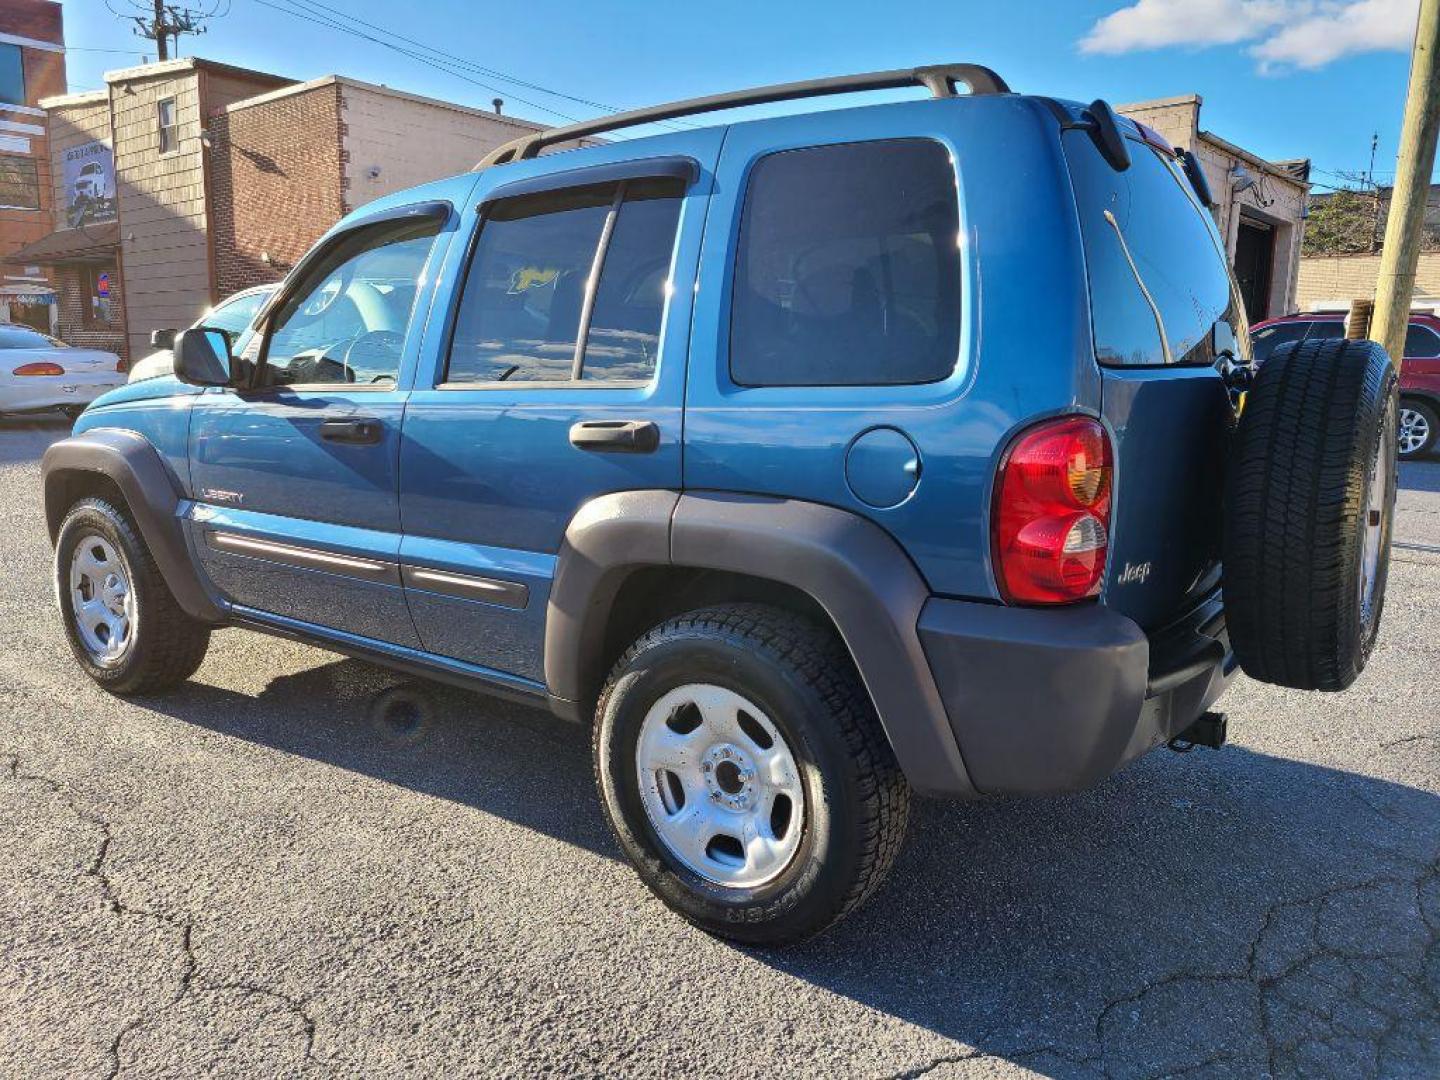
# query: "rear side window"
848,268
524,308
1328,328
1158,280
1421,343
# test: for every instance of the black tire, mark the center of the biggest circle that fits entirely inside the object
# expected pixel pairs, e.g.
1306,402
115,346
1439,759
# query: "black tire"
1317,432
166,645
856,799
1427,414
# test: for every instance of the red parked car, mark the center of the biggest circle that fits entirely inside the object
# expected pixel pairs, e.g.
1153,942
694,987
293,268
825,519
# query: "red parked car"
1419,370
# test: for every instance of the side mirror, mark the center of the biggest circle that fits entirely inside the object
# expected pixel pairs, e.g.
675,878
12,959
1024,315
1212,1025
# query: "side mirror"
1222,339
163,339
202,357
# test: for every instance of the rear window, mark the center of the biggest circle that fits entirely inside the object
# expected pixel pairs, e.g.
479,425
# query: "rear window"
1421,343
848,269
1264,342
1158,280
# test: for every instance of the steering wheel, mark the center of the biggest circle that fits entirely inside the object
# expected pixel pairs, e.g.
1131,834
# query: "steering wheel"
331,290
374,349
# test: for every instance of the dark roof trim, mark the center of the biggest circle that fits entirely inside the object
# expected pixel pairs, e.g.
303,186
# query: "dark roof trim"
670,168
941,80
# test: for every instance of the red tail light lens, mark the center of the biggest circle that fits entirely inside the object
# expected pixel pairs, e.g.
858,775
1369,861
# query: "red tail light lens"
43,368
1051,520
121,366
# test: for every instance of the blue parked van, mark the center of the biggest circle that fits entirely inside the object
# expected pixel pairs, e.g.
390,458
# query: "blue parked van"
813,460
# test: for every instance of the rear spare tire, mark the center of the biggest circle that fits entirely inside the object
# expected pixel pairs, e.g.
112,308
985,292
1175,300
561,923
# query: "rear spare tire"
1310,498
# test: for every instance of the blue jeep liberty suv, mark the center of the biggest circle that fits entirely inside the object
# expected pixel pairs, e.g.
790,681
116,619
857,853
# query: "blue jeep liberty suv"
813,460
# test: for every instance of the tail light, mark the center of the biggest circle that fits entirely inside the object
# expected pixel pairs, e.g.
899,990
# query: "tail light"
120,365
41,368
1050,523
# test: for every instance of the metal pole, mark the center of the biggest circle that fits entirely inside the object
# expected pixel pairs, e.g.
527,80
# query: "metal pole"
1395,285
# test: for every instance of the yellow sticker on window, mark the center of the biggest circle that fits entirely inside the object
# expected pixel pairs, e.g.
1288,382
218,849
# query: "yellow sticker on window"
531,277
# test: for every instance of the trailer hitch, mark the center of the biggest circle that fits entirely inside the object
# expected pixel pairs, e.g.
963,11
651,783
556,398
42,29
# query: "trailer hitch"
1208,731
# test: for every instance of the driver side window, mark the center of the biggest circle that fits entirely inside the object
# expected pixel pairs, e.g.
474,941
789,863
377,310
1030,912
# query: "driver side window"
345,322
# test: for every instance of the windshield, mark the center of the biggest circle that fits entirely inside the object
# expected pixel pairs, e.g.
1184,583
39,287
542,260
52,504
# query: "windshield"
236,313
22,337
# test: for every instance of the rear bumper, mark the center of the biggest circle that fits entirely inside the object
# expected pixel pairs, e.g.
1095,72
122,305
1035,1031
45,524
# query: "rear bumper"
1052,700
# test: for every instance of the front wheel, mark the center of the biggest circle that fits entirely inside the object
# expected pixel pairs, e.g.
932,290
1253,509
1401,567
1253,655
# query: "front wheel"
123,624
744,773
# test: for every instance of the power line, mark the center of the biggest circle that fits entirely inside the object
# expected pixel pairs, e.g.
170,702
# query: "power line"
458,61
320,14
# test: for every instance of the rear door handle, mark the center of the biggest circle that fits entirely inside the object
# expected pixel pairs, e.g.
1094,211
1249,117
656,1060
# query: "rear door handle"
615,436
360,431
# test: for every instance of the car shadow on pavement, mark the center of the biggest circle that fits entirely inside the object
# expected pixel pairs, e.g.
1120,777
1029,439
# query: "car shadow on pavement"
1227,913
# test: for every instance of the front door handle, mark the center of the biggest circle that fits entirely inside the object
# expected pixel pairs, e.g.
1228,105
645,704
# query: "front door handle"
615,436
361,431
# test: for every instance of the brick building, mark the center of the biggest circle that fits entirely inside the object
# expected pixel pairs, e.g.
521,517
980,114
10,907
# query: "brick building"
1261,211
186,180
288,164
32,67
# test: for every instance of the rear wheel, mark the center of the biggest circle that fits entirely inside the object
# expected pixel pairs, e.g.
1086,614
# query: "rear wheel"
1309,504
1418,427
744,773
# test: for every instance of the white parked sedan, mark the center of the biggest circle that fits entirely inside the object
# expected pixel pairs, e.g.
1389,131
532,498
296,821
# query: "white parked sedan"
38,372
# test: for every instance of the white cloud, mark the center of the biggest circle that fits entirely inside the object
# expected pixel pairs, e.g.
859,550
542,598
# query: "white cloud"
1285,33
1336,30
1153,24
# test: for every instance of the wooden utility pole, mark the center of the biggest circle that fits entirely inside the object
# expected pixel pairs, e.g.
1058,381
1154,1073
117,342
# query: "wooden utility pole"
1395,286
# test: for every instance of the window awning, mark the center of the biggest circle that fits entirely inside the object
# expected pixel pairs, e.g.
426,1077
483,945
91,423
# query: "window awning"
93,243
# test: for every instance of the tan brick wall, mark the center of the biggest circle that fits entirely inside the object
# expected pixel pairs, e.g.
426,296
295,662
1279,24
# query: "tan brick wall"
1348,277
412,140
162,206
275,183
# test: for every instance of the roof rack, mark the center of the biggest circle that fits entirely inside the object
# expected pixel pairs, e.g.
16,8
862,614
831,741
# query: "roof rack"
942,80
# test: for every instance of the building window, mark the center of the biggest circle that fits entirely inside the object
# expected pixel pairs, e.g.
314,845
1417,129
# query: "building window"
166,118
96,290
12,75
19,183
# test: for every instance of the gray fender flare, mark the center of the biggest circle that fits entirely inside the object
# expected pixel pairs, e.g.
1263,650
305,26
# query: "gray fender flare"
850,566
152,497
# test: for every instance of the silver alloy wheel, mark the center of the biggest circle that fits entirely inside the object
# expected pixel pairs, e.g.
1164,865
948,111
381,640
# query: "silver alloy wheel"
101,599
720,785
1372,525
1414,430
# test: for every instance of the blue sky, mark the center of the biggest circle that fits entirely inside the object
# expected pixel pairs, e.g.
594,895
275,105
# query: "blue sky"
1283,78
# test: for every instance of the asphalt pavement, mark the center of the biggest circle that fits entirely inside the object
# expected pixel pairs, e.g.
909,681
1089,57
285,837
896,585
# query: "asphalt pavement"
251,877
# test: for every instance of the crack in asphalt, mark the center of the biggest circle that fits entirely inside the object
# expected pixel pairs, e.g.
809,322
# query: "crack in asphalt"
183,929
1271,992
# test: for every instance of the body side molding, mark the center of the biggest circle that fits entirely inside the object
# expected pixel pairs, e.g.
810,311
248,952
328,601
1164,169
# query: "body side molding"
152,496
